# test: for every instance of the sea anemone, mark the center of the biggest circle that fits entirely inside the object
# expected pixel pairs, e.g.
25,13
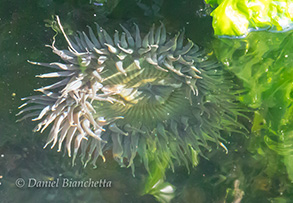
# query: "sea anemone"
155,96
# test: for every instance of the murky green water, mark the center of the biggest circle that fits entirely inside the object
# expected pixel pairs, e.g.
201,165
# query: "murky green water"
258,168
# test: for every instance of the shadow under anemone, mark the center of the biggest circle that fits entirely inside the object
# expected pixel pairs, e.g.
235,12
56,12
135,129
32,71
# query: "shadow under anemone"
155,96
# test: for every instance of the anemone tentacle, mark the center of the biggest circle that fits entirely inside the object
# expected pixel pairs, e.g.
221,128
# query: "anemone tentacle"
152,95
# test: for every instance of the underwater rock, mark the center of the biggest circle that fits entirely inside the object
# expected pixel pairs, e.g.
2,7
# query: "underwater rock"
154,95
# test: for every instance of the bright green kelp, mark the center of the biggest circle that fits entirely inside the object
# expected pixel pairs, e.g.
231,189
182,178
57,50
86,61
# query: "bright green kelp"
156,185
263,61
238,17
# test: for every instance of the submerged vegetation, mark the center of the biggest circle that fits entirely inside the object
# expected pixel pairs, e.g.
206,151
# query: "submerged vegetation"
263,61
238,17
